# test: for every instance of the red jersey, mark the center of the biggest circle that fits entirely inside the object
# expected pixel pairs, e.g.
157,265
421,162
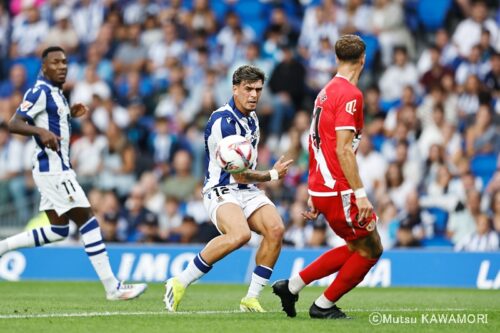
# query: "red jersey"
338,106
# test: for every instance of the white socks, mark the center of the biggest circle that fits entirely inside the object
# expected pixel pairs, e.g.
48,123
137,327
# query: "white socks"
194,270
35,237
323,302
96,250
260,278
296,284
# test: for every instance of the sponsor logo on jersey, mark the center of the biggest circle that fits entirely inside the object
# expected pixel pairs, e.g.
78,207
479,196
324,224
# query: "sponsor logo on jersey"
25,106
350,107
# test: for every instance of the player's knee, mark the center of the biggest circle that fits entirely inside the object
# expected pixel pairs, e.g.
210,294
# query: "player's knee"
276,232
240,239
59,232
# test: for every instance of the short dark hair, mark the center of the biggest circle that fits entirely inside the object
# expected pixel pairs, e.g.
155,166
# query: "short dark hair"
350,48
248,73
50,49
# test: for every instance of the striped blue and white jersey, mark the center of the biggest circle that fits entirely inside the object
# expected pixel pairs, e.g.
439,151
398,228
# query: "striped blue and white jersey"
45,106
227,120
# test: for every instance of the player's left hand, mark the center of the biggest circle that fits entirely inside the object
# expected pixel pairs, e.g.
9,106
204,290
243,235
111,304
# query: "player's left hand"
312,213
78,110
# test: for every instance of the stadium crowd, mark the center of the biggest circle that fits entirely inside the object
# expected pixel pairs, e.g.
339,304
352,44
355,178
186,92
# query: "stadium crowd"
151,73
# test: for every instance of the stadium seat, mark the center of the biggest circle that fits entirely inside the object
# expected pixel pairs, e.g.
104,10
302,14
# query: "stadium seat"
250,10
438,241
432,13
484,166
372,47
32,66
220,9
440,220
259,27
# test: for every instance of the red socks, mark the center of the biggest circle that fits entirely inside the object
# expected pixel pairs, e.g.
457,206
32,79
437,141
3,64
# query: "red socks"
328,263
351,273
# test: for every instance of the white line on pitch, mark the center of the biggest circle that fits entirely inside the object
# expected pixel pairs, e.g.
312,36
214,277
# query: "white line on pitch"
158,313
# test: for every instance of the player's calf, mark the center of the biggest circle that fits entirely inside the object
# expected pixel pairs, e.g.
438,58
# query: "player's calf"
35,237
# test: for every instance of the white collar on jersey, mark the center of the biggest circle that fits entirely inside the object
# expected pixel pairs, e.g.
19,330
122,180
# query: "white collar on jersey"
342,76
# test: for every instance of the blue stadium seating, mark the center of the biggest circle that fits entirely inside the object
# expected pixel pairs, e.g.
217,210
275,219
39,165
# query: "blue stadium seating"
484,166
440,220
432,13
372,47
251,10
31,64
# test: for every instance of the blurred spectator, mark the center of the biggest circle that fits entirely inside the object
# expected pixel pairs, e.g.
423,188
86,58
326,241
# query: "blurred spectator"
321,65
16,84
131,55
118,162
444,192
201,17
109,228
492,79
87,154
461,221
473,65
287,83
137,214
107,112
170,217
148,229
403,73
84,90
482,137
182,183
11,172
482,239
468,100
358,15
28,32
87,19
395,186
153,197
387,22
287,27
372,165
298,231
468,32
448,53
185,232
432,133
495,210
171,46
62,34
405,238
135,11
231,37
164,145
4,37
415,218
436,70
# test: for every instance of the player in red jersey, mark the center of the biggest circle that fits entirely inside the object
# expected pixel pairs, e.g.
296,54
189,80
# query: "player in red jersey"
336,190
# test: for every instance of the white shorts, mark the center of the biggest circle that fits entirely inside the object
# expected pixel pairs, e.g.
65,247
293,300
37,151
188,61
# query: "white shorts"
249,200
60,192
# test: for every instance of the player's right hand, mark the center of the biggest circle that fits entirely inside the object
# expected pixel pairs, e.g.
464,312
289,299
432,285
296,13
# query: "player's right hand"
365,208
312,213
282,167
49,140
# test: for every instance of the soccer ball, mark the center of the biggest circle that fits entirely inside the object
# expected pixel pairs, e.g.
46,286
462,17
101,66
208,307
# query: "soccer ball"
234,154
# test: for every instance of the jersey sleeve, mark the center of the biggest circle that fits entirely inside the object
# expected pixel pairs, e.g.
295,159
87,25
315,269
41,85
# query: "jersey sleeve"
34,102
222,127
347,110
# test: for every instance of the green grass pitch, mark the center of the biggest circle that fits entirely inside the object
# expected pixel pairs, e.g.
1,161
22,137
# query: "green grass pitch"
81,307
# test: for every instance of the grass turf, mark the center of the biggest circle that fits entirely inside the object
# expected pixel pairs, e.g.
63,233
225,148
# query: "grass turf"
81,307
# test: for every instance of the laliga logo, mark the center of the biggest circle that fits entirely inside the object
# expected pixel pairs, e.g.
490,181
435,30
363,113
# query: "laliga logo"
12,265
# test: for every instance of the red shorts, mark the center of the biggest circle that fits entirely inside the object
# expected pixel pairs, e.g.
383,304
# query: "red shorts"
341,213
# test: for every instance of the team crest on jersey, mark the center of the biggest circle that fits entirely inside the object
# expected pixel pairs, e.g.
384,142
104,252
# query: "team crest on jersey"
60,111
322,96
25,106
350,107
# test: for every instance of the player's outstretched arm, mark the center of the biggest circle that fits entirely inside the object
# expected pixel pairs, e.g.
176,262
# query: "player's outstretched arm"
19,125
349,166
278,171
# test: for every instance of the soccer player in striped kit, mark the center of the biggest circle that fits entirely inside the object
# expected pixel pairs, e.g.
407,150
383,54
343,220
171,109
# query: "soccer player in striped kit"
235,205
45,115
